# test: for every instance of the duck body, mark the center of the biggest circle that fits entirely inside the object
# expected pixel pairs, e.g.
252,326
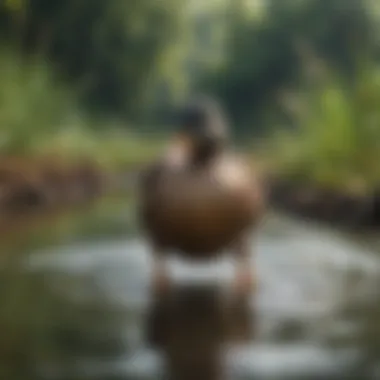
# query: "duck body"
198,211
200,199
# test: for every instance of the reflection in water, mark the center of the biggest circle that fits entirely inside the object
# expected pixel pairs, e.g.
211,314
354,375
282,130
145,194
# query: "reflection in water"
192,327
46,328
76,310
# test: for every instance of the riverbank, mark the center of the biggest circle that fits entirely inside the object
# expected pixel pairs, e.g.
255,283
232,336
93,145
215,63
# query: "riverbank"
29,184
341,202
338,207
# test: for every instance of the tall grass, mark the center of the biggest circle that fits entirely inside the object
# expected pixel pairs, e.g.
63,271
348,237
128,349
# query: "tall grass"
31,102
114,148
336,142
38,115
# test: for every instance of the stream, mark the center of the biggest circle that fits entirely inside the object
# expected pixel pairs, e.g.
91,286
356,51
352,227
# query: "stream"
316,310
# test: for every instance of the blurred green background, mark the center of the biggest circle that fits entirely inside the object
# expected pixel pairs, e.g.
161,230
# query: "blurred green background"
303,75
94,82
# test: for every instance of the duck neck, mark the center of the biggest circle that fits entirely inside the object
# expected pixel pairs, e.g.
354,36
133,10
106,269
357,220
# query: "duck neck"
204,154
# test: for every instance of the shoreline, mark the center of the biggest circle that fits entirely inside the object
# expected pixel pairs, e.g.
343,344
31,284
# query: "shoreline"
29,185
325,205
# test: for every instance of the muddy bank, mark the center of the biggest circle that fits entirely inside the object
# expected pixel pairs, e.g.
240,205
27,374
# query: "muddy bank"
50,182
340,208
43,182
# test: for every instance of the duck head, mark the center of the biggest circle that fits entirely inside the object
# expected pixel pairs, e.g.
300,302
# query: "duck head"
202,129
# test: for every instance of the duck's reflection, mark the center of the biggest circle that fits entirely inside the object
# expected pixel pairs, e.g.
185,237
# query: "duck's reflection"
192,327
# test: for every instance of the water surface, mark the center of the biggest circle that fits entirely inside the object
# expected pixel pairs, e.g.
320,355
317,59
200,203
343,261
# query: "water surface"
316,311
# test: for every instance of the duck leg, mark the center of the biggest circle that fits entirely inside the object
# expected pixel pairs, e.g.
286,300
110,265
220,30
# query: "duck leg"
244,280
161,280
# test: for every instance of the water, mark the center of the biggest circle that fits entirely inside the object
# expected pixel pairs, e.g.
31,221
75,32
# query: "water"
316,312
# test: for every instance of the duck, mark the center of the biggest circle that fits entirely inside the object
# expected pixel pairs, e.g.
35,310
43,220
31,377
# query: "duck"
200,198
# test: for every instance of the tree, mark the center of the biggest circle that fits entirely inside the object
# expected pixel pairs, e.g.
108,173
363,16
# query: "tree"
107,50
264,54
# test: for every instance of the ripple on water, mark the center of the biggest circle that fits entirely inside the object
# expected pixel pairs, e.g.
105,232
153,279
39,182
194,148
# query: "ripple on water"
304,276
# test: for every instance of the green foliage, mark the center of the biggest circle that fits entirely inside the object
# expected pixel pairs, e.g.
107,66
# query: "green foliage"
71,56
108,50
266,55
337,142
31,103
113,149
39,115
14,5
